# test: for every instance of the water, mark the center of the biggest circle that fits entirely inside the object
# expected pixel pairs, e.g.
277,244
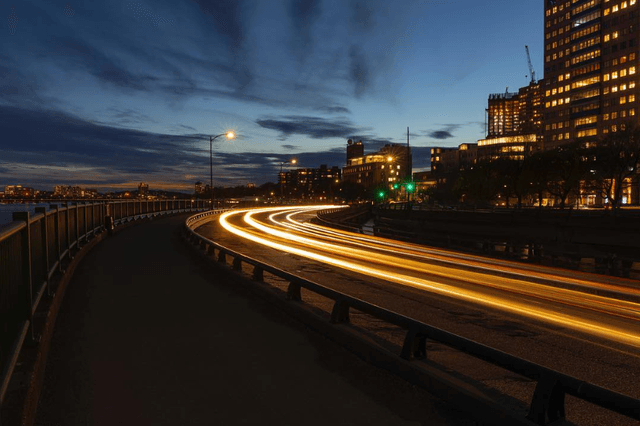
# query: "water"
6,210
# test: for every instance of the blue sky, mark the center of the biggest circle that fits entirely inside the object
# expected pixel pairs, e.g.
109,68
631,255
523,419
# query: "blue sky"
108,94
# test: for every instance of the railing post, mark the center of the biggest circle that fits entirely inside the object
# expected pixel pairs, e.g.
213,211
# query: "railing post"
547,404
258,274
415,345
340,312
68,227
57,232
27,286
45,246
86,221
77,225
293,291
237,264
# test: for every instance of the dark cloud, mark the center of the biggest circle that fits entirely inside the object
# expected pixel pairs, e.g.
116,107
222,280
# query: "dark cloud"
445,133
313,127
227,18
440,134
290,147
147,16
359,74
335,109
73,53
303,14
16,87
363,13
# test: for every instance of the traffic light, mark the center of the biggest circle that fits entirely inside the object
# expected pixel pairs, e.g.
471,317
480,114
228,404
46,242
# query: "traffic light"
395,186
410,187
381,194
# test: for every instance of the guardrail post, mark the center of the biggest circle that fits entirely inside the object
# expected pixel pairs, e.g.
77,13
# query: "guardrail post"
237,264
45,246
547,404
415,345
293,291
222,257
340,312
258,274
26,269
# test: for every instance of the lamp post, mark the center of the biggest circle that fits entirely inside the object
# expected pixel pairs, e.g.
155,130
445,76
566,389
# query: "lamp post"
229,135
292,161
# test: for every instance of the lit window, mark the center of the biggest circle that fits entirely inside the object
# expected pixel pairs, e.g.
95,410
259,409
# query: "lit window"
632,70
606,77
632,98
614,75
632,111
623,100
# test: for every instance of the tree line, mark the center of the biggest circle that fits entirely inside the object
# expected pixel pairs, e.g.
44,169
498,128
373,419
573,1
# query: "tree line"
604,168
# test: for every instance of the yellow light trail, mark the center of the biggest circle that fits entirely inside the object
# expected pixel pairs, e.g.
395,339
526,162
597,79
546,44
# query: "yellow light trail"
370,263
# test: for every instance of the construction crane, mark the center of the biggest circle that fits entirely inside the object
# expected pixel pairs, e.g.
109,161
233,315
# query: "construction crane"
531,71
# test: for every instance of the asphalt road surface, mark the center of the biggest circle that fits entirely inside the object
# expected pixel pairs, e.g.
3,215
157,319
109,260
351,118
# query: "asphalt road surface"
581,324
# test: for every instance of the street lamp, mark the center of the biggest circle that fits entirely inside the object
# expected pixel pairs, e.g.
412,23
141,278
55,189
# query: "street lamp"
292,161
229,135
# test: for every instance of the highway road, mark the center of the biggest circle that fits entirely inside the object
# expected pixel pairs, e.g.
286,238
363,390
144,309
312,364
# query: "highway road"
582,324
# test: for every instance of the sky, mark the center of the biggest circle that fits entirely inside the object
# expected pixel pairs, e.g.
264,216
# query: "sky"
109,94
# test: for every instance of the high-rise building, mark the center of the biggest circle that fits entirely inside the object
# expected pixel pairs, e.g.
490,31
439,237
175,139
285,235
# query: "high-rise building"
311,183
590,68
390,165
143,190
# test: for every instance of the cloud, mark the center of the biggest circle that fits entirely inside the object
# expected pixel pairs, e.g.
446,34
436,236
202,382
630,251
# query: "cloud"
359,73
290,147
303,14
363,15
73,53
335,109
445,133
147,16
227,18
16,87
313,127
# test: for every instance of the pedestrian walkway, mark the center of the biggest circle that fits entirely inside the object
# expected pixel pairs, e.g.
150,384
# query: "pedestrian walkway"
148,334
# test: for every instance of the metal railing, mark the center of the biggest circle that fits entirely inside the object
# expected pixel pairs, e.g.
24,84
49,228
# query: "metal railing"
33,250
548,401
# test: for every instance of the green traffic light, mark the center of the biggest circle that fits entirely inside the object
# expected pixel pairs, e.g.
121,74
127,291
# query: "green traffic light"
395,186
410,187
381,194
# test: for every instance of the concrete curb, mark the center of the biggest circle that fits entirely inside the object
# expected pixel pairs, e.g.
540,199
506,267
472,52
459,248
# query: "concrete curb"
448,388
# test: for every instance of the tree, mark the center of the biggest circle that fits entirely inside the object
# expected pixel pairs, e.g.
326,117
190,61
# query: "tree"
567,168
613,160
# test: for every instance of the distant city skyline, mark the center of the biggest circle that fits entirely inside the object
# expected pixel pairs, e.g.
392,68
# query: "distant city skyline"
108,95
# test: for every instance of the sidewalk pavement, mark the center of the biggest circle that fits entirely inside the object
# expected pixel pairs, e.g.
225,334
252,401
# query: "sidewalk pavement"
150,335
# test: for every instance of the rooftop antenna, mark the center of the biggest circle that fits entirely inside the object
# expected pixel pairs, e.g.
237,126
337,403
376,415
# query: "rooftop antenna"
407,137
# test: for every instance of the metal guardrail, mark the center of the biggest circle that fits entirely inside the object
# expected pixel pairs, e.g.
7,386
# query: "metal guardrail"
33,250
548,402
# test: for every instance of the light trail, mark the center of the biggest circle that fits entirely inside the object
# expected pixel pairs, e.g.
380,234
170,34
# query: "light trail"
605,317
